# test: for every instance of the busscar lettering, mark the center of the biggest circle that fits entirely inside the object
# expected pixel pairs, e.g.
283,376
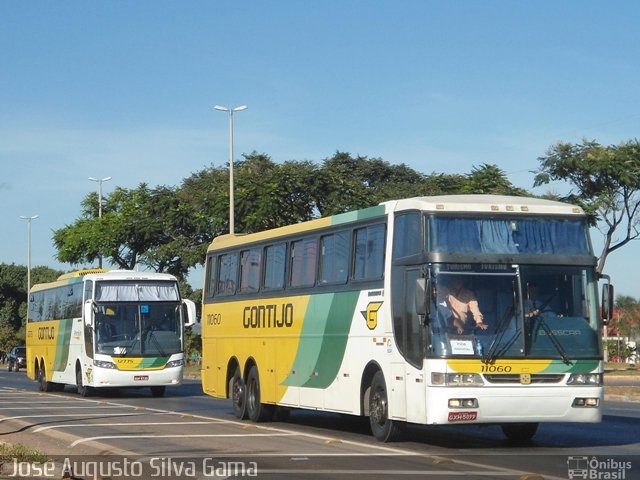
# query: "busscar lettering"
268,316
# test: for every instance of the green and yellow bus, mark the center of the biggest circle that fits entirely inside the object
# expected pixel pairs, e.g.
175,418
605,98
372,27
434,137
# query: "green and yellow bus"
343,314
99,329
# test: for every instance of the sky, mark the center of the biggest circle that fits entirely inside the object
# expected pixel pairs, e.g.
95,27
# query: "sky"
126,89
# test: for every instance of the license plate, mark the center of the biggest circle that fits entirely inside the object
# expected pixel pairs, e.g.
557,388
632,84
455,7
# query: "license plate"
137,378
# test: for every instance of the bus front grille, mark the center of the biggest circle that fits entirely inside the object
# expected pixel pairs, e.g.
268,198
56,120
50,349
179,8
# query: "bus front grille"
536,378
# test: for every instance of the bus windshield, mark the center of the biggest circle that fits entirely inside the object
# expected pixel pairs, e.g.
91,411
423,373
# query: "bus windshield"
498,311
137,319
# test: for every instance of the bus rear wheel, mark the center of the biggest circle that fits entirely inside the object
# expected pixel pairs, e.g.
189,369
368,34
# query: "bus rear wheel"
43,385
519,432
238,394
382,427
257,412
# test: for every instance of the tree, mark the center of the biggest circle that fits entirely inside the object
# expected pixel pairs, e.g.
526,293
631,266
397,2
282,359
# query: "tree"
168,229
605,183
346,183
13,300
489,179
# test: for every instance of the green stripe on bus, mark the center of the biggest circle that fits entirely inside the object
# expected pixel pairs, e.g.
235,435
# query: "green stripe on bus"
577,366
63,339
323,340
153,362
363,214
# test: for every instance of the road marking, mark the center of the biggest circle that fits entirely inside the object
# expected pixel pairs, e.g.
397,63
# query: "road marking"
59,408
212,435
79,425
17,417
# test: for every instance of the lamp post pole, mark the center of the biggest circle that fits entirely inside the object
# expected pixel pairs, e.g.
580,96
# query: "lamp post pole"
28,219
231,196
100,180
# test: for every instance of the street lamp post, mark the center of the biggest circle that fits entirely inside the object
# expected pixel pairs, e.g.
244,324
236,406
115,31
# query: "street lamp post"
28,219
100,180
231,199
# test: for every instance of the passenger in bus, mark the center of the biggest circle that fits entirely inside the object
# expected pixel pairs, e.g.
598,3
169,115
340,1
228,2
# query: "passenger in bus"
463,304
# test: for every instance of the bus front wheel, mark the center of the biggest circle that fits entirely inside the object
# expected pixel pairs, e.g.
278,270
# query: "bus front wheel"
83,390
238,394
519,432
257,412
158,391
383,428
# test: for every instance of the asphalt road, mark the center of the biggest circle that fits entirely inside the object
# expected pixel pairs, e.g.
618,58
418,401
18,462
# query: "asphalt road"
189,435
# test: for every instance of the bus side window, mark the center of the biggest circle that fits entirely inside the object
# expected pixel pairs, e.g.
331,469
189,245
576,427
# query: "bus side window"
227,273
407,239
303,262
369,252
210,276
334,258
274,268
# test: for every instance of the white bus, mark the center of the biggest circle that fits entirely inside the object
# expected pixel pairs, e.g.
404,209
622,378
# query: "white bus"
344,314
107,329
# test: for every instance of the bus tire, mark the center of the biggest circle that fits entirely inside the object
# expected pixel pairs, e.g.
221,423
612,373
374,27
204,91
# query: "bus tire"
519,432
43,385
83,390
383,428
238,395
158,391
258,412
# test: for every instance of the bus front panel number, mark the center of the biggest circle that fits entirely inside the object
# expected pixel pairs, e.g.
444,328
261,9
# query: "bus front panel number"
496,368
214,319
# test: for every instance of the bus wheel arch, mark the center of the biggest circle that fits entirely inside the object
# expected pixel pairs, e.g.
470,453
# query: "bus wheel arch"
365,386
83,390
383,428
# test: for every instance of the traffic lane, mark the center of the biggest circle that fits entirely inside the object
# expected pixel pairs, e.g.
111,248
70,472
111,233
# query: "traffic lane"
155,434
621,380
450,442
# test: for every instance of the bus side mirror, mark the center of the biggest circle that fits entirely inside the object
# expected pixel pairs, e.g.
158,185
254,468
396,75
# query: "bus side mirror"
607,303
190,309
423,287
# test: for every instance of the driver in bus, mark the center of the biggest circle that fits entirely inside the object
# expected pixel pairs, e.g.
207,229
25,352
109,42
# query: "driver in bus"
463,305
106,329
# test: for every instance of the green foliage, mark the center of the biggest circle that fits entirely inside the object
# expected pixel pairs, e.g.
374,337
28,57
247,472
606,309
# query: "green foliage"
605,183
169,229
192,345
20,453
13,300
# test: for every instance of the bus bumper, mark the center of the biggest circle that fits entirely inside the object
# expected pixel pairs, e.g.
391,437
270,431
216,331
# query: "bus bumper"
514,405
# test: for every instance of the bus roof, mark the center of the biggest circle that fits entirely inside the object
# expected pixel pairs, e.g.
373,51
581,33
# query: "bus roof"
101,274
486,203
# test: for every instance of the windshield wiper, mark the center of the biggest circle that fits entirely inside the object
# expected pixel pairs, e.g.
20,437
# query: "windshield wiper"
152,338
492,351
554,340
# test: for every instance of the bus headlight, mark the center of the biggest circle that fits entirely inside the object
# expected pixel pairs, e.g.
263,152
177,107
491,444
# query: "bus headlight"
174,363
457,379
589,379
104,364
